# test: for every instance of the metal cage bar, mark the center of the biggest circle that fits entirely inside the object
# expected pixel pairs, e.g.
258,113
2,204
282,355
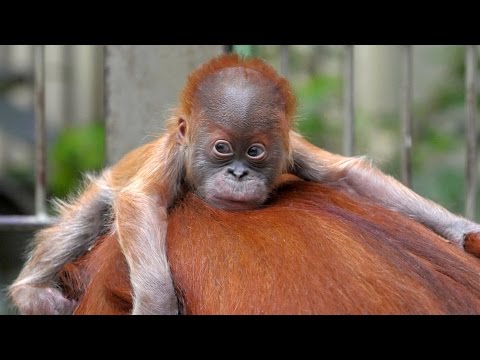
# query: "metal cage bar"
24,222
40,133
406,114
40,218
349,102
471,131
284,60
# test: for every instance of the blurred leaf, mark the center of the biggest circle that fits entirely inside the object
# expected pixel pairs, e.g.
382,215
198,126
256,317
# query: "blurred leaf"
443,185
76,151
244,50
315,97
439,141
318,90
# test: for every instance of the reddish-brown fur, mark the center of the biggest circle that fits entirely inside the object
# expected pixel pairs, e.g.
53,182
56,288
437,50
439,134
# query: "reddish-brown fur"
100,279
472,244
233,60
311,250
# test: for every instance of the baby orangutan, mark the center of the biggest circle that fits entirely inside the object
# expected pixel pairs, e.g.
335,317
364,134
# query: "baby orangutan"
228,141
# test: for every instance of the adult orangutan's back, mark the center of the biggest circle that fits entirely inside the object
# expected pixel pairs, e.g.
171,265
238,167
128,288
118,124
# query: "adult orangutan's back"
311,250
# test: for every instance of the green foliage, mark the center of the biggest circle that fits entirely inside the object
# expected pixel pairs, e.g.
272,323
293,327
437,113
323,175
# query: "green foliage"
77,150
244,50
316,96
438,141
439,147
443,185
318,91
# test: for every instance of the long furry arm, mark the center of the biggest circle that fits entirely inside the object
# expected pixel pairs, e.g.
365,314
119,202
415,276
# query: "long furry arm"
80,222
141,224
360,176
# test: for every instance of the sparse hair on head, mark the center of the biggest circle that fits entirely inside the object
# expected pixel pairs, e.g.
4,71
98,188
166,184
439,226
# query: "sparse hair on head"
233,60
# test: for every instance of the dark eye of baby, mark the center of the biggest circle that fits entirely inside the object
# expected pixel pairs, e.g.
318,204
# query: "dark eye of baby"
222,148
254,151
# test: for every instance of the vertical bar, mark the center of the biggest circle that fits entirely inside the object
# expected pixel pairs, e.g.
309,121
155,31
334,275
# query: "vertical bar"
5,52
471,131
98,94
406,114
40,135
5,61
284,60
314,59
227,48
67,85
349,112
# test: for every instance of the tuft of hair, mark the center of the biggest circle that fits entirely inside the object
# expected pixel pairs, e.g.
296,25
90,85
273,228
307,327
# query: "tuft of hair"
234,60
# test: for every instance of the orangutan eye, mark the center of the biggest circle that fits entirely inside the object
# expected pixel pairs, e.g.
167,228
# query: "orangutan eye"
256,151
222,148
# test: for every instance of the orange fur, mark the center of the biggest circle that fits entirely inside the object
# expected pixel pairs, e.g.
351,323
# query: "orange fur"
311,250
100,279
472,244
234,60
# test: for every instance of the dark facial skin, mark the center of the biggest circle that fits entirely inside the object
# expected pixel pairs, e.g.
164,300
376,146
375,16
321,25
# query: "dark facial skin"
238,151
